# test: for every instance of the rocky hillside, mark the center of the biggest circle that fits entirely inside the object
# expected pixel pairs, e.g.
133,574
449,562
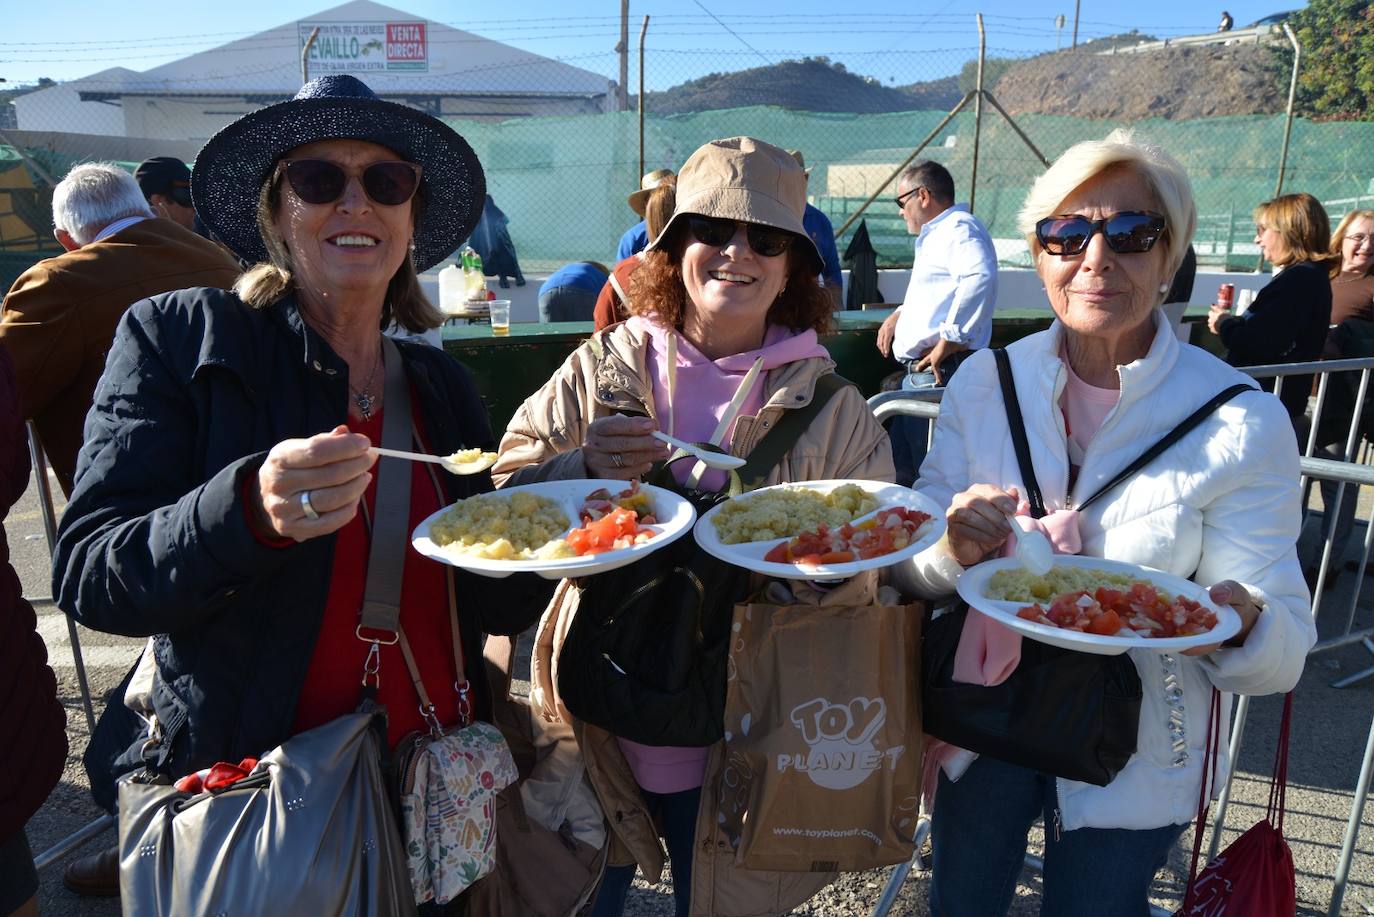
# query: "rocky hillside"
1189,82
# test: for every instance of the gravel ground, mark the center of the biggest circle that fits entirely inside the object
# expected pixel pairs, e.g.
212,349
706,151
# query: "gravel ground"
1329,734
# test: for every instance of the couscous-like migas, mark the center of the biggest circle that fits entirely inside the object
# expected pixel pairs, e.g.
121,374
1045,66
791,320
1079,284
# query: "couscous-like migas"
469,456
1020,585
521,526
789,511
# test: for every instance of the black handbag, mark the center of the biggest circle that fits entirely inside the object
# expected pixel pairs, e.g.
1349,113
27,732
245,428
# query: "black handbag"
1061,712
646,653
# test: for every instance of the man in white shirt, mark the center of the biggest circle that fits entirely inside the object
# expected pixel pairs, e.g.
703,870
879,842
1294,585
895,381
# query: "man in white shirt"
947,312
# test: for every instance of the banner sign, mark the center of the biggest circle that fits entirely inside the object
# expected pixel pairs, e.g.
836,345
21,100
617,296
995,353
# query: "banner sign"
352,47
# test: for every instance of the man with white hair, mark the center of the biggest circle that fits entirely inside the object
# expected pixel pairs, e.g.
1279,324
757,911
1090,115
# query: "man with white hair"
59,318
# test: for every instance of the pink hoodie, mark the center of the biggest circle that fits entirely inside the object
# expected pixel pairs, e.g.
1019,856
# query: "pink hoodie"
704,389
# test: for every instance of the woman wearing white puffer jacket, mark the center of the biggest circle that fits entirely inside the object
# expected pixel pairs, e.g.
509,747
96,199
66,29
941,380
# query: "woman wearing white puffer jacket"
1104,382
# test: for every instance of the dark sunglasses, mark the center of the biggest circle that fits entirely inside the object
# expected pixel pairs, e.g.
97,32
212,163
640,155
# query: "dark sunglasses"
319,181
1127,233
901,199
180,196
764,240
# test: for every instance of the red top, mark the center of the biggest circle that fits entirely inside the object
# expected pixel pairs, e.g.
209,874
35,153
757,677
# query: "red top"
333,680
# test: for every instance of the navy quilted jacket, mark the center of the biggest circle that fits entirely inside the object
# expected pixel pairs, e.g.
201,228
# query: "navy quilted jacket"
154,541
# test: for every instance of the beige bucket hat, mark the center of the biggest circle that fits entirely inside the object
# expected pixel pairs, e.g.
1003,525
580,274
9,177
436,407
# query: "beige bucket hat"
651,180
747,180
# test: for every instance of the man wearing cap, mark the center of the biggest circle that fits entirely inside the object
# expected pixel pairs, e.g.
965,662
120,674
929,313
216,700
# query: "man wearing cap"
820,230
947,312
166,185
637,236
58,320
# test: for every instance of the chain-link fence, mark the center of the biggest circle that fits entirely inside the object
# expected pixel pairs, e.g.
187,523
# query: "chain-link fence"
561,153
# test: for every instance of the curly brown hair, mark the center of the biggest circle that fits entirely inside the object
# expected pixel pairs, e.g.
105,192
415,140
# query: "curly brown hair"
657,290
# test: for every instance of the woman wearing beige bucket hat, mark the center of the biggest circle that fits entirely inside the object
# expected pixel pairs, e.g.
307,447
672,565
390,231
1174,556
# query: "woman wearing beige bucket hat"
721,345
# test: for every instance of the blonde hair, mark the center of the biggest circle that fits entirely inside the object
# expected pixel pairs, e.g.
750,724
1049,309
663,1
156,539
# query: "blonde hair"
266,283
658,209
1338,239
1119,150
1302,222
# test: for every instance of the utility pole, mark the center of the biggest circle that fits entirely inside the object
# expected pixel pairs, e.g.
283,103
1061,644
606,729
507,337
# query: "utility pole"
623,49
1075,24
305,55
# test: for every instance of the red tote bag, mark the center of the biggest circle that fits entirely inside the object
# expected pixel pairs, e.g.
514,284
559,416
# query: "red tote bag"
1253,877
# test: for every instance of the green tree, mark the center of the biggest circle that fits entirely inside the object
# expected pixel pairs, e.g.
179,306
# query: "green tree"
1337,76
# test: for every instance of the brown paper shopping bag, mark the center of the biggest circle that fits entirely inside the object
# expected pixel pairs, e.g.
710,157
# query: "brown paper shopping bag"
823,736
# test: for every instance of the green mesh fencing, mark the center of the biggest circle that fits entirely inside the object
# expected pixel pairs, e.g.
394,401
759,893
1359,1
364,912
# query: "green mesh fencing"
562,181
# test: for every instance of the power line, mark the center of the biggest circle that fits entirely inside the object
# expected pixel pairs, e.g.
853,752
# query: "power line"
731,31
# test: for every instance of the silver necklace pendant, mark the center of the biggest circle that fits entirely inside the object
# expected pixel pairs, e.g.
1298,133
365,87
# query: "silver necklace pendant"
364,401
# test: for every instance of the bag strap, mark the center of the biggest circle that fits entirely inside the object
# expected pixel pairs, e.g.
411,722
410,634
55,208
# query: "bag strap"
1278,782
1209,766
389,523
381,611
1017,424
778,441
1184,427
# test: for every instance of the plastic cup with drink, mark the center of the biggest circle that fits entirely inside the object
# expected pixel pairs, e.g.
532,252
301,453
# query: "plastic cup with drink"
500,317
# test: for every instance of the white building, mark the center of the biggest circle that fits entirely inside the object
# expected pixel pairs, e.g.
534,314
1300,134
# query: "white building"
431,66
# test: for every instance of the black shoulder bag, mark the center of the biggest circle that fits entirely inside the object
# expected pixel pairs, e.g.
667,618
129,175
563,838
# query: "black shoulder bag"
645,655
1061,712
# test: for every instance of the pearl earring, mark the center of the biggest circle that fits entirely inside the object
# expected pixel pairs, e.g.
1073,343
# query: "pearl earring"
1163,288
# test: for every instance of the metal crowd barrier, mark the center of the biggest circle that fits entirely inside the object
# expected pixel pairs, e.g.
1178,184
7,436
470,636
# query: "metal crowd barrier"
40,473
925,404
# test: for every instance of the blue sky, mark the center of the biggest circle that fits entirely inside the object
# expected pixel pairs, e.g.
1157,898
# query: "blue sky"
895,42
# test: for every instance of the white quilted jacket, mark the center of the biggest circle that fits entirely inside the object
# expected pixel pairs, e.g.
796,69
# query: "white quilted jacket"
1222,503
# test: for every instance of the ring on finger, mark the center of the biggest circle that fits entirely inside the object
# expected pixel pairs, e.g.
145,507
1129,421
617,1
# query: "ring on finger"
310,511
618,459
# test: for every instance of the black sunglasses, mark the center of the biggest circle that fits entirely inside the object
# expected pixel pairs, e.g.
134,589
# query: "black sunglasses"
1127,233
764,240
319,181
180,196
901,199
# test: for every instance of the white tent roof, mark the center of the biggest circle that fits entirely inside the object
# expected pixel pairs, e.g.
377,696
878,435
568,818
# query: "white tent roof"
266,66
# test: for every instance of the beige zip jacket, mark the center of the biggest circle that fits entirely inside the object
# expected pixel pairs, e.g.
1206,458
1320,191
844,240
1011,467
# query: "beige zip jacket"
606,375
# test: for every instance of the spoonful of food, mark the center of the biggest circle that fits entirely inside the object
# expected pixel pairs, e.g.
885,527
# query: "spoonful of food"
1033,549
721,460
464,461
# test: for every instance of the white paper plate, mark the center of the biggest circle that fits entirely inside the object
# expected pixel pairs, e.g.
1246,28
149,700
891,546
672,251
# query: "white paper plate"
675,517
750,554
973,583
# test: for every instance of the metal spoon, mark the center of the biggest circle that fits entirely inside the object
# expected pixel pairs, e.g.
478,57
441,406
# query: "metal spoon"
721,460
485,461
1033,549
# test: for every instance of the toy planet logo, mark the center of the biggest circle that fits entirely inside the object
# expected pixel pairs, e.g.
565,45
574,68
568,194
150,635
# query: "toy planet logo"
841,752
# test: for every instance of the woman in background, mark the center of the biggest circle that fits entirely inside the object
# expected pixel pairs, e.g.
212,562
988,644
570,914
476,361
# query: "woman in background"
1288,320
611,305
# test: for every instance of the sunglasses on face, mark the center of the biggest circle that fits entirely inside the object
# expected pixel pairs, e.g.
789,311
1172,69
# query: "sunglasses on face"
319,181
180,196
1127,233
901,199
764,240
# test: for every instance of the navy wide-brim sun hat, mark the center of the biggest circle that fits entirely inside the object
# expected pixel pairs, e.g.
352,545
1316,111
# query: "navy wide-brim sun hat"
233,164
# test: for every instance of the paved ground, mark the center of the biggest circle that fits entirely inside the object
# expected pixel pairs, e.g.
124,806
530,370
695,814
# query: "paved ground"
1329,735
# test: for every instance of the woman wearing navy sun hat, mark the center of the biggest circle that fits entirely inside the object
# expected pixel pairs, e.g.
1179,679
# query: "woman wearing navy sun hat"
221,496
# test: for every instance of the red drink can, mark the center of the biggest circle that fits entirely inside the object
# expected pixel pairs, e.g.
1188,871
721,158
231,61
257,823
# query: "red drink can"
1226,296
